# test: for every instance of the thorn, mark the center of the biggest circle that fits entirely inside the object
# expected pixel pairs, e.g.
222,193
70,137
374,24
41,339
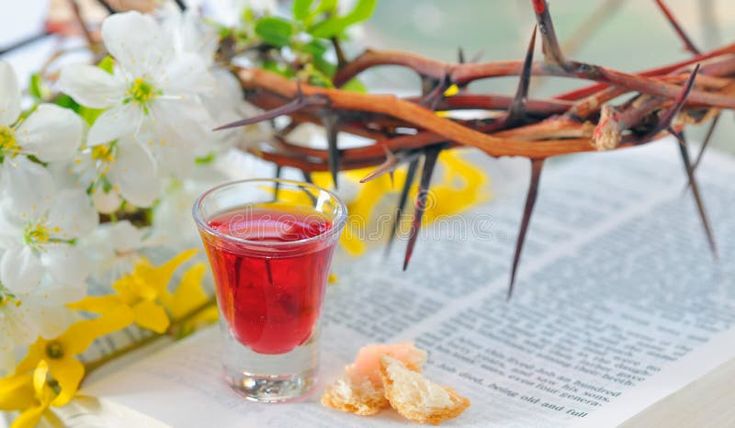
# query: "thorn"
431,99
277,187
536,167
24,42
681,99
517,110
432,153
688,44
668,116
391,163
388,156
402,198
684,150
288,108
460,55
551,48
427,85
331,124
705,143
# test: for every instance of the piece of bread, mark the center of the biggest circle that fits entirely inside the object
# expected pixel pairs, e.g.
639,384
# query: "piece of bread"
360,389
415,397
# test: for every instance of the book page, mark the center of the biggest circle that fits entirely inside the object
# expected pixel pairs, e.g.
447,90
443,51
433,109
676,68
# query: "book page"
618,304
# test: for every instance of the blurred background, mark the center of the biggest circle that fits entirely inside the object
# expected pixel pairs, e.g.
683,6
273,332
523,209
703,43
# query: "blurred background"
623,34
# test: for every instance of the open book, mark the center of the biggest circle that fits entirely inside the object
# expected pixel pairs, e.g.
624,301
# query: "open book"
619,305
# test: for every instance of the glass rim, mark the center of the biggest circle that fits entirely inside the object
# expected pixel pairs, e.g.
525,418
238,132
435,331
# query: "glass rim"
340,217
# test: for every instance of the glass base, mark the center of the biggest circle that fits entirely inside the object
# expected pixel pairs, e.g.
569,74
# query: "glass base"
270,378
272,388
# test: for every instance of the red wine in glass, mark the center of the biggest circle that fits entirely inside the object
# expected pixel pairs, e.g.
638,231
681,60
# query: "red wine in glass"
270,245
271,301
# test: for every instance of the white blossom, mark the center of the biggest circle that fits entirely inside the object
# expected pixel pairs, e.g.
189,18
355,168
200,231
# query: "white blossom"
39,246
49,134
121,169
153,88
25,316
114,248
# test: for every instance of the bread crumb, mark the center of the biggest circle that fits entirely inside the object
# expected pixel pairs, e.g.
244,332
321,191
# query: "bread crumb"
417,398
360,389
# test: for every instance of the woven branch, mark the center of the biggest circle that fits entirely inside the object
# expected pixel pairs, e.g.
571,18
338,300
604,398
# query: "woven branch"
659,101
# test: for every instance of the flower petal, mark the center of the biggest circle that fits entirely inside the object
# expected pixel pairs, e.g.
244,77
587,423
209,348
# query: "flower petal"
16,392
137,42
97,304
51,133
30,186
18,326
20,270
150,315
53,320
91,86
72,214
30,417
178,122
190,292
77,338
68,371
187,75
125,237
135,173
183,132
9,95
106,202
66,264
115,123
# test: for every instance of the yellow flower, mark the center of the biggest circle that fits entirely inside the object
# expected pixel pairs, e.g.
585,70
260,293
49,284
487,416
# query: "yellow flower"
142,292
462,185
50,373
30,392
65,370
189,296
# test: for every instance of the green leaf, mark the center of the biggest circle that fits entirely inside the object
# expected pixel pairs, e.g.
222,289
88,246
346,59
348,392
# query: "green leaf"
275,67
107,63
324,66
316,48
35,86
335,26
205,160
355,85
301,9
274,31
66,101
105,184
326,6
362,11
89,115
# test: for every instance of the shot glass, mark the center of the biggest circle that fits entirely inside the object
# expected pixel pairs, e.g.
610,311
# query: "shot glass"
270,244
